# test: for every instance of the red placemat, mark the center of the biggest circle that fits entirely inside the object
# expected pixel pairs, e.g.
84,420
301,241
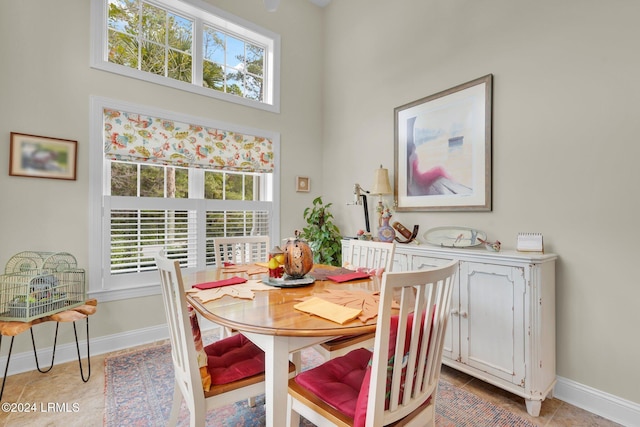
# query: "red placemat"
235,280
339,278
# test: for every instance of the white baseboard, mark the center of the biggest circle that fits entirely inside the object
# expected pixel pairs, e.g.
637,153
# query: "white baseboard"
598,402
23,362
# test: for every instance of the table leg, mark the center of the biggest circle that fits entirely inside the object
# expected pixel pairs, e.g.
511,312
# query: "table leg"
35,351
6,369
276,378
276,372
75,332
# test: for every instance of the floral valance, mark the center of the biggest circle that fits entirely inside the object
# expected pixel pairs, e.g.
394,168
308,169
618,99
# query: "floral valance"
139,138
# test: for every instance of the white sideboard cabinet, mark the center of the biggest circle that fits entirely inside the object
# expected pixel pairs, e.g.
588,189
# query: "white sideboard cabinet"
502,324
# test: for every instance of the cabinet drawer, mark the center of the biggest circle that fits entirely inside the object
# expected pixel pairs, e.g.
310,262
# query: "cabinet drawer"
420,262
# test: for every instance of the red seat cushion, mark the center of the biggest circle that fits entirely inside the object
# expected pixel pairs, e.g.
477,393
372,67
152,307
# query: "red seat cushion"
205,376
343,382
233,358
338,381
363,396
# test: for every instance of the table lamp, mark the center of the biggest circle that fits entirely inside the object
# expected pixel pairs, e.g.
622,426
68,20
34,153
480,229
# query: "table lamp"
381,187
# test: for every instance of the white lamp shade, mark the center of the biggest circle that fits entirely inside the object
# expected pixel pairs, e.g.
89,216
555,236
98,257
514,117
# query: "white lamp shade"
271,5
381,183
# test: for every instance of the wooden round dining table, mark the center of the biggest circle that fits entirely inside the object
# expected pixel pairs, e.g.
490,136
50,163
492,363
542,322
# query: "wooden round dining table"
270,320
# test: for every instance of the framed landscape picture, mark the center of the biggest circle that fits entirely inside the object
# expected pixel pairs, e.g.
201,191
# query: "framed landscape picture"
443,150
42,157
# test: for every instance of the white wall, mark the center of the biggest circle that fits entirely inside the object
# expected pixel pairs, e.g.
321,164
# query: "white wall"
45,89
565,148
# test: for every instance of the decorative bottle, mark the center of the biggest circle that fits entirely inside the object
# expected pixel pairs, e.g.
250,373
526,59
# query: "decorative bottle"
386,233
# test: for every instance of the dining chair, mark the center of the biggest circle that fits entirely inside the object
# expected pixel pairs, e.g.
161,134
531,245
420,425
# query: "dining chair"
396,383
375,257
241,249
224,372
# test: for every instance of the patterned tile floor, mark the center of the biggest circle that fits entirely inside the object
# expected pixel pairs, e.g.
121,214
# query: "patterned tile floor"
60,399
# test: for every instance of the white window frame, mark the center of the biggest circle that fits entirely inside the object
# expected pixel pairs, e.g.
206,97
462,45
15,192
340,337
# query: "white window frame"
100,282
202,13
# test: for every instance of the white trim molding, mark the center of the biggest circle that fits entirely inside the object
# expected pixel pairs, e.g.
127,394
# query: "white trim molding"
598,402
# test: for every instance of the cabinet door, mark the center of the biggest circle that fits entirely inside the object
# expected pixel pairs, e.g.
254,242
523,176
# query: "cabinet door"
492,319
451,349
400,262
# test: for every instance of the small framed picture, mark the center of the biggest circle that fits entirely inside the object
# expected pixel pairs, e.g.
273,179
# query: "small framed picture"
303,184
42,157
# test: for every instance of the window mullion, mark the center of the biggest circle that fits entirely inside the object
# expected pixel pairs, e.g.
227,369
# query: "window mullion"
200,224
196,183
245,70
139,36
197,67
166,45
198,217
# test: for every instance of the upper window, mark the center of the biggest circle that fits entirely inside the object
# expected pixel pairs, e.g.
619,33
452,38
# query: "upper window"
198,49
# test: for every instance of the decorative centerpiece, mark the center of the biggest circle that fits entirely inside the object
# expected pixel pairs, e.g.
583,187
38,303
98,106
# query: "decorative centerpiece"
298,257
276,263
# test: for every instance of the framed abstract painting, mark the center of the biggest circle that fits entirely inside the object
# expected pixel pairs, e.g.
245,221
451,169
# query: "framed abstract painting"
443,150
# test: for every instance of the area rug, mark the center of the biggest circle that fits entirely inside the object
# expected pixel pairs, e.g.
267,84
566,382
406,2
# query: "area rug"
139,392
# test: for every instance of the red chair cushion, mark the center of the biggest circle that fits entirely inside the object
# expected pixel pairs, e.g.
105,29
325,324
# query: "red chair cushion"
205,376
359,417
343,382
338,381
233,358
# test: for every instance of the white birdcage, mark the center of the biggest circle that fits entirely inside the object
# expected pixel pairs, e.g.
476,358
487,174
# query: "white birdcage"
37,284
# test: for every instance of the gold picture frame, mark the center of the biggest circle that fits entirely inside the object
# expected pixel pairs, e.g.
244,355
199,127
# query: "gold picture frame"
303,184
36,156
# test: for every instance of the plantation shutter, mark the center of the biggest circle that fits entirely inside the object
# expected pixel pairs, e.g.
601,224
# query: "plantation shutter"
134,230
228,223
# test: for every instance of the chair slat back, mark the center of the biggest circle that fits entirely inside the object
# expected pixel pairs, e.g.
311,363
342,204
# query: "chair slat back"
416,356
365,253
241,250
183,351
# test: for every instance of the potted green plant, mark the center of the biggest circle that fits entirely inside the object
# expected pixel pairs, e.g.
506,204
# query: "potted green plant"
322,234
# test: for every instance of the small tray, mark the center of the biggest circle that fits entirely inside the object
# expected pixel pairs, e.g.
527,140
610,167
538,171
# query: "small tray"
454,237
287,282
